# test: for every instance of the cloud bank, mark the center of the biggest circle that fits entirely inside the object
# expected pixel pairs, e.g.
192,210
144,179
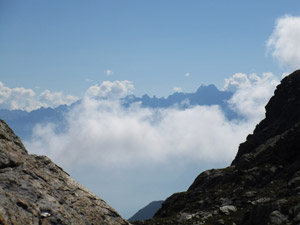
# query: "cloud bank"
284,43
26,99
149,153
251,93
100,131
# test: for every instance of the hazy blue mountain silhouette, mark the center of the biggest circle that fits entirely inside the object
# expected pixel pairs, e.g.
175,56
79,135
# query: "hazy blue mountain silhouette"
147,212
23,122
205,95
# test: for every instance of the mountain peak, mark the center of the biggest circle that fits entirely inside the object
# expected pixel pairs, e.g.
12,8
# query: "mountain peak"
206,88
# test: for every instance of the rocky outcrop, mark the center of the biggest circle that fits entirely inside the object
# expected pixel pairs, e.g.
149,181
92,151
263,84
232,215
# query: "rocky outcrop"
34,190
262,186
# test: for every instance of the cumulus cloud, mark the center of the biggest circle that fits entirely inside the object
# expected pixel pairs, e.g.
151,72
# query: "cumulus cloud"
284,43
26,99
108,89
17,98
55,99
101,131
238,80
251,93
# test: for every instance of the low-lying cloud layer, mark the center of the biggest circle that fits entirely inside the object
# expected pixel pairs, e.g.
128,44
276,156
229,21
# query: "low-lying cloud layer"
131,156
26,99
101,131
284,43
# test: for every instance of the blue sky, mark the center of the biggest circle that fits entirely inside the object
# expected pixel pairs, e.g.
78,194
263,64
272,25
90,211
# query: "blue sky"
69,45
54,52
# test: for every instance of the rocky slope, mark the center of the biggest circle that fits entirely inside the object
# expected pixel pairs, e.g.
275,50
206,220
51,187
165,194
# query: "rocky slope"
33,190
262,186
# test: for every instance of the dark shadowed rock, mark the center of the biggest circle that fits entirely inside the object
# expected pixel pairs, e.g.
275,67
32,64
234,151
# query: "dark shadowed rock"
262,186
34,190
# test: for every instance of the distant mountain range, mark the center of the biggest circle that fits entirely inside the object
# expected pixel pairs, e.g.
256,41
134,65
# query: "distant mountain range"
205,95
23,122
147,212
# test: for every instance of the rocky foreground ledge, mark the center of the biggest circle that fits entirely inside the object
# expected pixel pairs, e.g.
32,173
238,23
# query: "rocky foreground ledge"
34,190
262,185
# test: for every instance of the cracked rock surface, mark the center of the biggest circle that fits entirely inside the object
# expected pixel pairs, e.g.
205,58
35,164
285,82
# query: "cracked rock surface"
262,185
34,190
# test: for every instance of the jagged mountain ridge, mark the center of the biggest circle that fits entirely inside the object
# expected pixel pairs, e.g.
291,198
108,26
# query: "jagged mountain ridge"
205,95
33,190
261,186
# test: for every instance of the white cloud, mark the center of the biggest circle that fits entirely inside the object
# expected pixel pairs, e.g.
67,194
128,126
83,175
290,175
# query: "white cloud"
177,89
17,98
102,132
54,99
238,80
251,93
109,72
187,74
26,99
116,89
284,43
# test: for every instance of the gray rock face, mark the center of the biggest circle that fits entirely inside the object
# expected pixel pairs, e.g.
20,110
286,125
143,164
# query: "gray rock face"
262,185
34,190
